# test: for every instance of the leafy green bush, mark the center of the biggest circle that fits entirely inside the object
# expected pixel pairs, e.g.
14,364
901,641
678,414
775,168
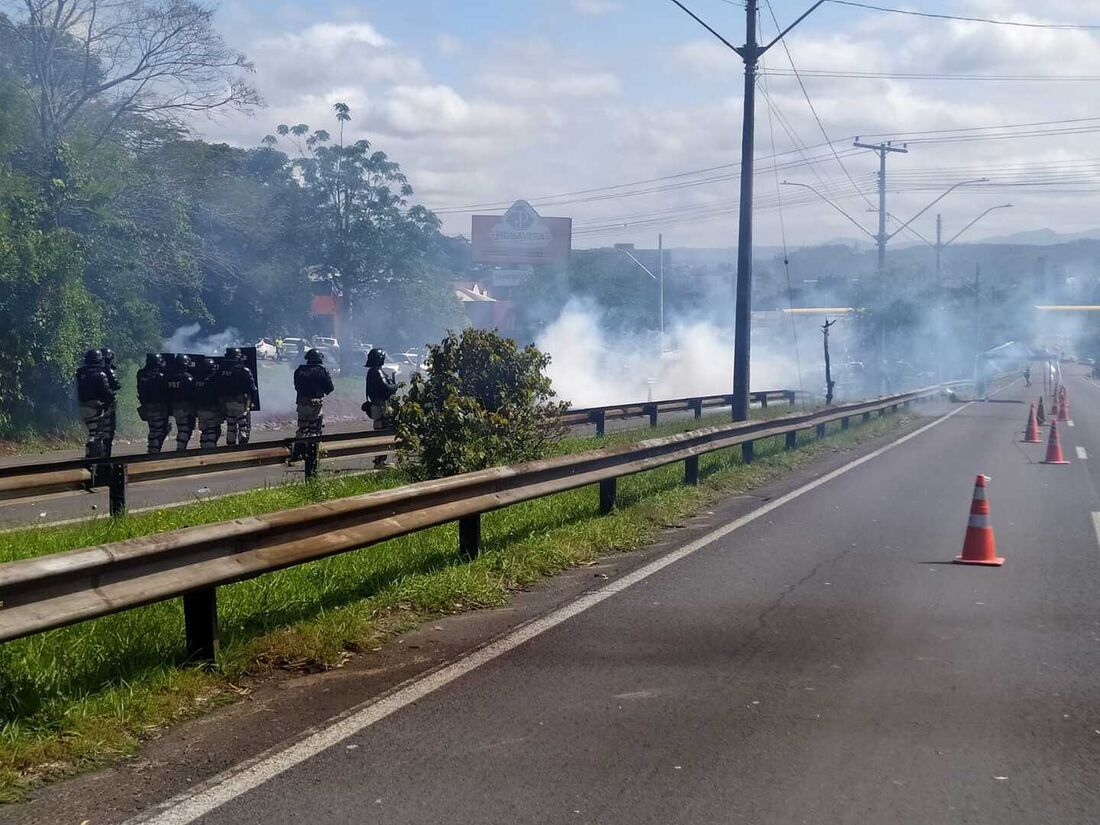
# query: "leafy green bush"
485,402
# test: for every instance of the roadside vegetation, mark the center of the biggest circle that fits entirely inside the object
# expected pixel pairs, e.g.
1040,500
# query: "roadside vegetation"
77,697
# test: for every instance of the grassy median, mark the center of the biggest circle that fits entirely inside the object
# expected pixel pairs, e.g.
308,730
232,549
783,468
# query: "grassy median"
74,698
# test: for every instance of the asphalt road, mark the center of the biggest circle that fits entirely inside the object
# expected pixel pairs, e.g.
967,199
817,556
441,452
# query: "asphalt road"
823,663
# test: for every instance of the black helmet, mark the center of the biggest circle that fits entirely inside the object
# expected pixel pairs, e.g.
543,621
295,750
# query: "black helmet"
93,358
153,359
108,355
184,362
233,354
376,357
315,356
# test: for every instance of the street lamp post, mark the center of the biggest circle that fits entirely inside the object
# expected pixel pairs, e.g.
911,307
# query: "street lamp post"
659,278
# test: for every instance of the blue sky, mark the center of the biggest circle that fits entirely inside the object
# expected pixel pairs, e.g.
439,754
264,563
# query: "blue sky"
492,100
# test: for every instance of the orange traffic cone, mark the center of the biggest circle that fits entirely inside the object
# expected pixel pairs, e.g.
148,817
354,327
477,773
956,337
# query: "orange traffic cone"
979,547
1040,413
1054,410
1032,434
1063,406
1054,446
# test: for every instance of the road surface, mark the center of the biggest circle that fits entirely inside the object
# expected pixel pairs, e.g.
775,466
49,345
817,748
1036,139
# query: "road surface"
822,662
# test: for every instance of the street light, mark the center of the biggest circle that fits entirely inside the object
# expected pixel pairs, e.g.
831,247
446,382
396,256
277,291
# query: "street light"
659,278
939,246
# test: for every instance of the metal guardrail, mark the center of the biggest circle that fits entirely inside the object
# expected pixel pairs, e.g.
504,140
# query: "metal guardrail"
52,591
77,475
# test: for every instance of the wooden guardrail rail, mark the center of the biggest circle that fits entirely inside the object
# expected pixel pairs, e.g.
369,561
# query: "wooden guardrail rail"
77,475
56,590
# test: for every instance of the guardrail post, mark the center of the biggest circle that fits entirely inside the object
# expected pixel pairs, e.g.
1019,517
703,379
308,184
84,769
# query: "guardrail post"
820,430
200,621
651,410
608,488
844,423
691,471
792,397
600,419
866,417
116,487
696,405
312,459
763,400
882,413
469,536
894,408
746,452
792,440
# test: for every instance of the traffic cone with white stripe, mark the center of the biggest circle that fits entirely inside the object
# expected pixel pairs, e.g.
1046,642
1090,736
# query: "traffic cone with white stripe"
1054,446
1040,413
1032,435
979,547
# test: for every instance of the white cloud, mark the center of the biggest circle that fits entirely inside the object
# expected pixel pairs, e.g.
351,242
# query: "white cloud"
449,45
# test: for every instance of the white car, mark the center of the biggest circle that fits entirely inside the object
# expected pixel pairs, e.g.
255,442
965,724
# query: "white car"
265,349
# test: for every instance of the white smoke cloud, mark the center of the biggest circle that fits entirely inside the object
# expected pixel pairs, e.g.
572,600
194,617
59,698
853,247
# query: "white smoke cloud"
187,339
592,367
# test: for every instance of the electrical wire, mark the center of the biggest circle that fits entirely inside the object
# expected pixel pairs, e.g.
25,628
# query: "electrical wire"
989,20
1018,78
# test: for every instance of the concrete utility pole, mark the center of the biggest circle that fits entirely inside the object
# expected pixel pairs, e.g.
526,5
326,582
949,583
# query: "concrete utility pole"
940,245
882,149
750,53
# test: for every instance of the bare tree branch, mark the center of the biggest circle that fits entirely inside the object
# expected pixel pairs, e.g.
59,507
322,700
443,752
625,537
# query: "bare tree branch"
156,58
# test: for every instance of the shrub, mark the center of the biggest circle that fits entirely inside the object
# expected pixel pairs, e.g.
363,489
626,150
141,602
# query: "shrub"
484,402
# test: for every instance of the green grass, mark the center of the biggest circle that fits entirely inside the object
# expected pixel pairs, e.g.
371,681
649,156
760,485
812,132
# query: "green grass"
73,698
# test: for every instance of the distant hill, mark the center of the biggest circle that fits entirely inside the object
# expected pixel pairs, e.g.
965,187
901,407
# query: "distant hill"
1041,237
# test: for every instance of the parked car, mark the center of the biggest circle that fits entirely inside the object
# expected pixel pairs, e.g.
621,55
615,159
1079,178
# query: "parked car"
265,349
292,349
322,342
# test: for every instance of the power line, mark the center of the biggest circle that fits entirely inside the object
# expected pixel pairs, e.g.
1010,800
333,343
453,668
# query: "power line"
934,16
1021,78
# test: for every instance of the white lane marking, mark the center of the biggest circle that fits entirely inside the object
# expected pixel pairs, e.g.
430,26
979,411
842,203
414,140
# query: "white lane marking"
1069,422
1081,454
1096,526
212,794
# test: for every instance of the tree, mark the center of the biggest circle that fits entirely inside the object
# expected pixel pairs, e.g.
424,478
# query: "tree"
485,402
101,61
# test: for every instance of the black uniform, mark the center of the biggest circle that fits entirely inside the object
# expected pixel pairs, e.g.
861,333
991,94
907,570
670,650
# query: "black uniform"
312,383
181,389
381,386
112,409
94,394
154,400
208,404
238,391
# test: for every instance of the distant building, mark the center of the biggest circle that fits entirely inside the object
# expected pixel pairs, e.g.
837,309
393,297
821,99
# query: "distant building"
482,309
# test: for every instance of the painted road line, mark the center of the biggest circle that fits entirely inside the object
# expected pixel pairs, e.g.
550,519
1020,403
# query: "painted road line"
199,801
1069,422
1081,454
1096,526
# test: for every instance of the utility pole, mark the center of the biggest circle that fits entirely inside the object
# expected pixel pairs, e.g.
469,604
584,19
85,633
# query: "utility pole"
661,275
829,383
750,53
979,390
939,247
742,313
882,150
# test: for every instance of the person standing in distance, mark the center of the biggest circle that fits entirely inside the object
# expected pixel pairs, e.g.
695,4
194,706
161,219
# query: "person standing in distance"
95,397
312,383
181,391
238,391
381,387
112,414
207,403
154,401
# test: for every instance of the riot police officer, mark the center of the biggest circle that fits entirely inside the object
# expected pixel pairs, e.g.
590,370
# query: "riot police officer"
95,397
108,356
181,390
238,392
312,383
207,403
381,386
154,399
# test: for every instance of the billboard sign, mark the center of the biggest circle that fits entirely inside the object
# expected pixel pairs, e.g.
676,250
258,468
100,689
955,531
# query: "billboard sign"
520,236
